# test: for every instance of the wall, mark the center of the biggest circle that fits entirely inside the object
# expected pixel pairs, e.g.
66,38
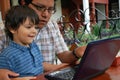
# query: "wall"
101,15
58,14
5,5
0,17
14,2
119,7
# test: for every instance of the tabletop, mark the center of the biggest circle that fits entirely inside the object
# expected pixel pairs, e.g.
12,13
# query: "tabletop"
112,73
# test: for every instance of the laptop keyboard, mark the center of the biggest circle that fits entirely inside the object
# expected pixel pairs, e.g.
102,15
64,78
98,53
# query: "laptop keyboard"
64,74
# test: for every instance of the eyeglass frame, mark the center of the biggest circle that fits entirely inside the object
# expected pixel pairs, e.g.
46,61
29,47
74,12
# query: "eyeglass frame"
51,10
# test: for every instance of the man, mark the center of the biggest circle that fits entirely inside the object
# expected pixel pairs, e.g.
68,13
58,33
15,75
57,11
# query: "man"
49,40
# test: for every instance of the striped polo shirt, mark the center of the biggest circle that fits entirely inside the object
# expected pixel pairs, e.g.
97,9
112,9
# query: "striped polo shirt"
27,61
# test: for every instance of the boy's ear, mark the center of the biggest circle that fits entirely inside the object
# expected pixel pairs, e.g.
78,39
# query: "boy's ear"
12,30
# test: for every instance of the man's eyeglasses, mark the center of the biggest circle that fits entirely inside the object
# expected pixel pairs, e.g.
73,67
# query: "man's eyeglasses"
51,10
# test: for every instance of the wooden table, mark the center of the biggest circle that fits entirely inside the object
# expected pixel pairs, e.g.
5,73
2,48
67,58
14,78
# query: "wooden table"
113,73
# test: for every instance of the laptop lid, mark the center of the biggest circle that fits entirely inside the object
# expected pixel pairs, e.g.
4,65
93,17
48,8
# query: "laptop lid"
97,57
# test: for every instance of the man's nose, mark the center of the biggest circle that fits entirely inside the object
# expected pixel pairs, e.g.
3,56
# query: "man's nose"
45,14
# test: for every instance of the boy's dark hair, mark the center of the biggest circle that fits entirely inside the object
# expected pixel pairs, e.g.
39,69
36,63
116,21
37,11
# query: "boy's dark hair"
16,16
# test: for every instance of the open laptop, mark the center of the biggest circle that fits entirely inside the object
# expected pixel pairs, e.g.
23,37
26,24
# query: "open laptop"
97,57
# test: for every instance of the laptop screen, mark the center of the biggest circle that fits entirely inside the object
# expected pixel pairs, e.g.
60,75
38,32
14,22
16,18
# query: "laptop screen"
98,56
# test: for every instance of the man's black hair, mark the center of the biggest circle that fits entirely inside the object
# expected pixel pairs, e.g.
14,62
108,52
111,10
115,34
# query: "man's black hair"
27,2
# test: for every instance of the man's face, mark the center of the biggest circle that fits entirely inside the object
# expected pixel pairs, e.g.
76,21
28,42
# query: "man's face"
44,9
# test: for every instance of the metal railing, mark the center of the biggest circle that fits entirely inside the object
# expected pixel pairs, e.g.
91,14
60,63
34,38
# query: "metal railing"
71,36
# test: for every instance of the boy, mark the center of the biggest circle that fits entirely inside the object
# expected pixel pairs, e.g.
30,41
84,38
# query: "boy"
22,55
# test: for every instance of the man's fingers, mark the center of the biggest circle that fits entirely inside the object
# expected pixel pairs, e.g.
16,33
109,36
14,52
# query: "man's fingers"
12,74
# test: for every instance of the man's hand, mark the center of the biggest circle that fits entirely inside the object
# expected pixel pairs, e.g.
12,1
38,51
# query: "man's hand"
4,74
80,51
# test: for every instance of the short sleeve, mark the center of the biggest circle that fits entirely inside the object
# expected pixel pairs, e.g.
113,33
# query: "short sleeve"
4,63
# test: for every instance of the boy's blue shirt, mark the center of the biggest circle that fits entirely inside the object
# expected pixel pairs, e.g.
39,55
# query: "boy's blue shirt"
27,61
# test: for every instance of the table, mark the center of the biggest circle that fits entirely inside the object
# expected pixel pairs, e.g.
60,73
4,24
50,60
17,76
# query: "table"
113,73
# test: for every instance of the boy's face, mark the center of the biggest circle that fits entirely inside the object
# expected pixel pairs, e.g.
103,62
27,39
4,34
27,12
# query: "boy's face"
25,34
44,9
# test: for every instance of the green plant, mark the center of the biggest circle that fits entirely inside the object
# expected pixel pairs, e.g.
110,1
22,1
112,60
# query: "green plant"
97,32
95,29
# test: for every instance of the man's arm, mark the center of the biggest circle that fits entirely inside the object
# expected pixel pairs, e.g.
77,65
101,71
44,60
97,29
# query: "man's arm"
23,78
61,48
52,67
4,75
68,57
3,41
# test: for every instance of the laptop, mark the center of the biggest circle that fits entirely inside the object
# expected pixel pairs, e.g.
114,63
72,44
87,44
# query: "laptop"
97,57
